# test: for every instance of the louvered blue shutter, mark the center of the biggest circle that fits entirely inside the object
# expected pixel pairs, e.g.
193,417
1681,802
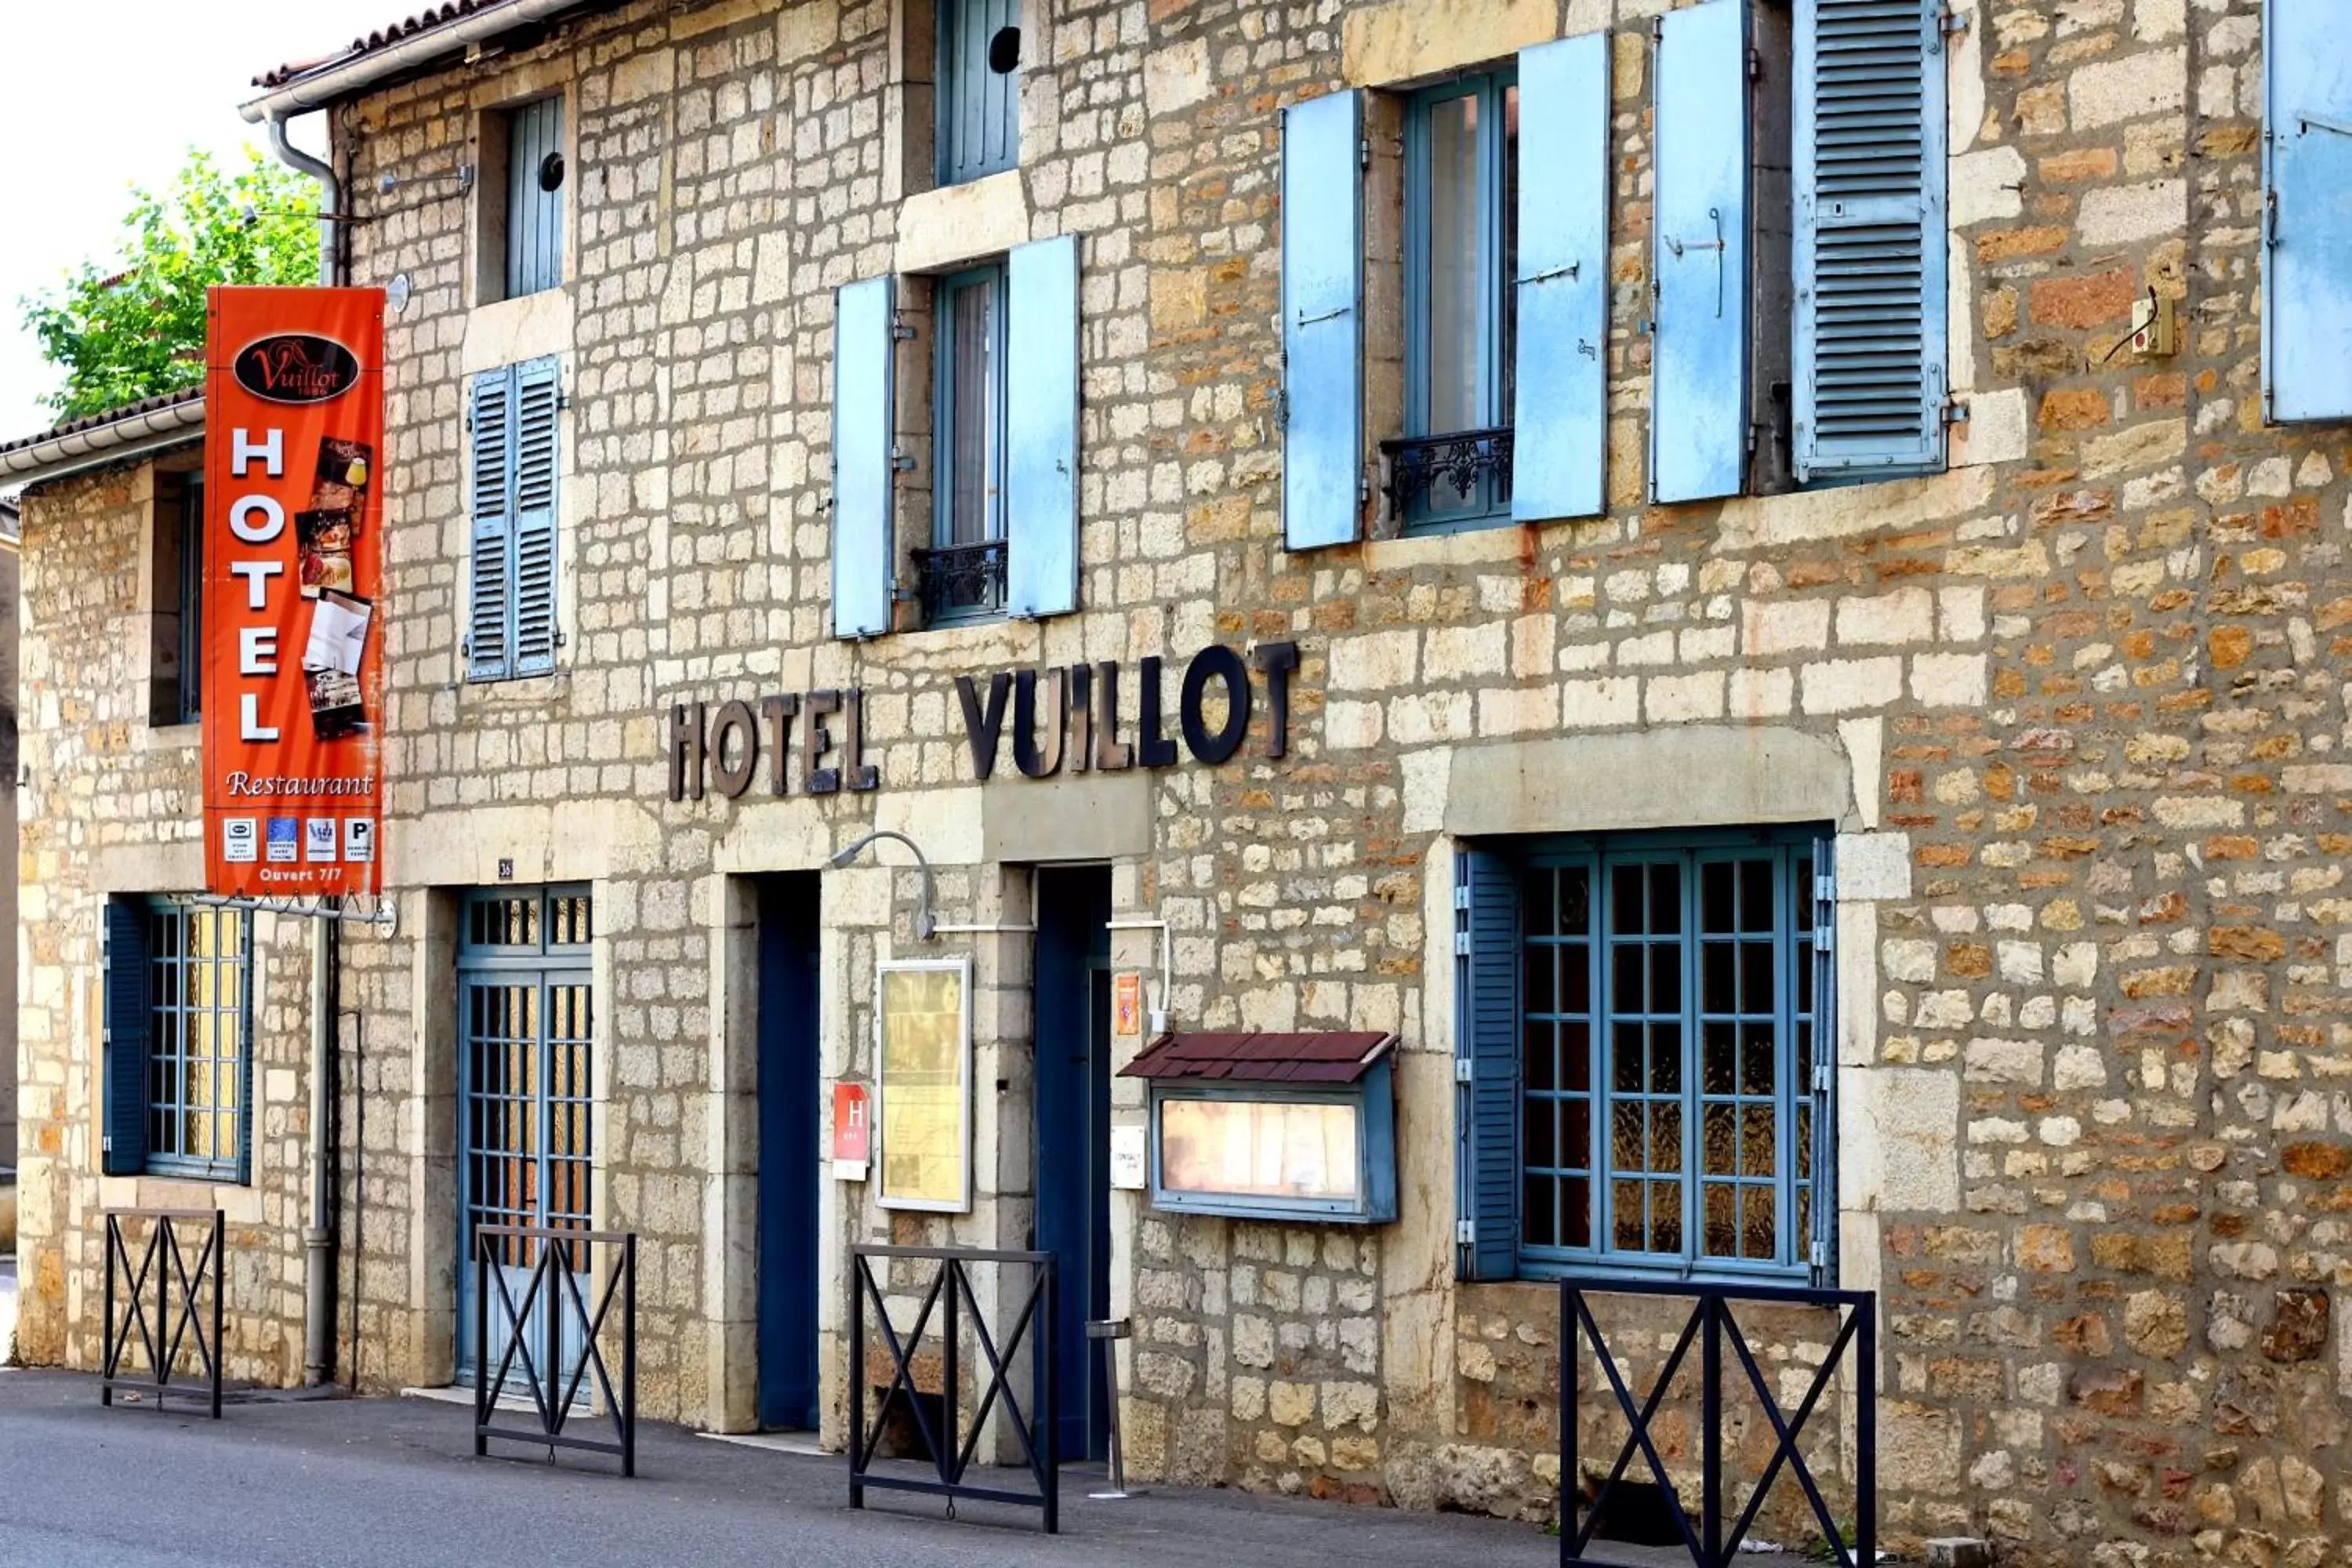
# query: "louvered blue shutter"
1699,404
1561,422
1041,418
536,400
1823,1239
129,1025
1322,321
864,470
2308,256
1869,366
489,610
1486,1040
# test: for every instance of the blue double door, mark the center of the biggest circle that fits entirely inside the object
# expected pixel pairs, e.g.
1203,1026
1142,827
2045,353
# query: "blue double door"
1073,1011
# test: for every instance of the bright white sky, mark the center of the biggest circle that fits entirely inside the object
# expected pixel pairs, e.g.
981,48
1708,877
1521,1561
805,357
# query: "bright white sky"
98,97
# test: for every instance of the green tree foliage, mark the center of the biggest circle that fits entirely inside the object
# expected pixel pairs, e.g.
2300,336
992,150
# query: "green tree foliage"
133,326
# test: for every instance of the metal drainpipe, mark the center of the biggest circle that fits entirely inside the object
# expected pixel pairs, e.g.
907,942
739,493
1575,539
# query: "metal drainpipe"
330,197
318,1235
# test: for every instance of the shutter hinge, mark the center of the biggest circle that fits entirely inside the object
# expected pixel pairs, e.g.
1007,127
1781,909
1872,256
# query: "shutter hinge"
1823,1078
1825,935
1282,410
1820,1254
1466,1232
900,463
1658,29
1462,895
1363,489
1364,153
106,1144
1460,944
1955,409
1949,21
1755,63
1465,1070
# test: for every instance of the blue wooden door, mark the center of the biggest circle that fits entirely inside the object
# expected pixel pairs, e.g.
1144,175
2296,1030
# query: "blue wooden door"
1072,1175
790,1083
526,1050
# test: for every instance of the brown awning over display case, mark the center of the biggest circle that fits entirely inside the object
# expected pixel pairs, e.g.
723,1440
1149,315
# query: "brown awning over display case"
1260,1056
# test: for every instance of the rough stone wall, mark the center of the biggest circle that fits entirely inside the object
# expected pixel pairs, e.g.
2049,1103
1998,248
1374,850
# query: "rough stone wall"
2069,705
110,807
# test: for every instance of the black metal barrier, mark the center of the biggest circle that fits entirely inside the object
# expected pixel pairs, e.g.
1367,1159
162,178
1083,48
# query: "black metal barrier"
165,1261
951,1441
553,1310
1713,1324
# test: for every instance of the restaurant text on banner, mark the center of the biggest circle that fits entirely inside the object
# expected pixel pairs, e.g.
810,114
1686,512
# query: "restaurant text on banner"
293,639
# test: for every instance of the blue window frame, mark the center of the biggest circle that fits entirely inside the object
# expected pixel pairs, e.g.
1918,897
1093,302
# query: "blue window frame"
199,961
527,1049
978,88
964,570
1670,1068
1461,148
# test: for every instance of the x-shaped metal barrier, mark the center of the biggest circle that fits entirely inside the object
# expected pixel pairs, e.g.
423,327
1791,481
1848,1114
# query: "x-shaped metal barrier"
165,1261
1711,1325
951,1442
553,1308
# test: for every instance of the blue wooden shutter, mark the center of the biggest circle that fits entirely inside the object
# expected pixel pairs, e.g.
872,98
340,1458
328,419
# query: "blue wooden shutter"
865,470
534,214
129,1025
1486,1040
1823,1241
2308,256
1040,416
537,399
490,613
1560,426
1698,402
1869,366
1322,321
979,106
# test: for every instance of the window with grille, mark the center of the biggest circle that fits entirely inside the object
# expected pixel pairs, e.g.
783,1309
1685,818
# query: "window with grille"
179,1029
1648,1086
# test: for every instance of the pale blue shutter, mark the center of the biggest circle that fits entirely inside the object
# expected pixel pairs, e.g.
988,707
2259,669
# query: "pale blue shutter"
1869,366
1322,320
979,106
1823,1236
864,468
536,402
1561,422
2307,265
1041,418
1486,1041
490,611
129,1023
1698,402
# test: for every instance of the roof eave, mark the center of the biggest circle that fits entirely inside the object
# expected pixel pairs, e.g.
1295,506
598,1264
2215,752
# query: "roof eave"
356,71
135,434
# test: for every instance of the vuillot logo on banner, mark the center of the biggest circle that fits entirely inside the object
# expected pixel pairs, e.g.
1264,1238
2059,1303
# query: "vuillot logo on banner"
293,577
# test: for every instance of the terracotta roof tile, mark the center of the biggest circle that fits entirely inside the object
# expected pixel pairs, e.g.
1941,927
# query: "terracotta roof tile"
93,421
1263,1055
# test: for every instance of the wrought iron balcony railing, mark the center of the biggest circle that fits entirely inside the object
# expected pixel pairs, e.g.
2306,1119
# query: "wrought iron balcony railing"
961,581
1466,470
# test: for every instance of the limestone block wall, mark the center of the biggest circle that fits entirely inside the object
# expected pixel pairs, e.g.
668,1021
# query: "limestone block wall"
2068,707
109,805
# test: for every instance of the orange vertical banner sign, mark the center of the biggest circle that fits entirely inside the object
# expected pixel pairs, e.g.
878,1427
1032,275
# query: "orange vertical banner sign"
293,607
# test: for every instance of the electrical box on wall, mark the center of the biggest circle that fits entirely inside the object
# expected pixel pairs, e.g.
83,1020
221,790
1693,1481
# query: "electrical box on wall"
2155,328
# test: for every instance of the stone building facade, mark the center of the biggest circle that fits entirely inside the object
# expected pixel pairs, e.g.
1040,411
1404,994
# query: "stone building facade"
2063,708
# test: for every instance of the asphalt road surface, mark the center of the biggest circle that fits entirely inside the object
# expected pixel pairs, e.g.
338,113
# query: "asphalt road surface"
394,1482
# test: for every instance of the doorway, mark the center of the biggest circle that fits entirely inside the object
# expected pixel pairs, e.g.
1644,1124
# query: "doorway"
789,1081
1073,1174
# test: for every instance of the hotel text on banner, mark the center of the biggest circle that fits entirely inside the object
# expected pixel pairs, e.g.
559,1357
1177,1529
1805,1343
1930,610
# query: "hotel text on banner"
293,633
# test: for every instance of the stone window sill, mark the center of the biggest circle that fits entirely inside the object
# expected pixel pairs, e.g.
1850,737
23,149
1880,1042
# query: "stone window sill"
241,1205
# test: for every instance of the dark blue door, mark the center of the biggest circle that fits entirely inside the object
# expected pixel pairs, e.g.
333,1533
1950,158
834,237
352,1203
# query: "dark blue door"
1072,1043
788,1083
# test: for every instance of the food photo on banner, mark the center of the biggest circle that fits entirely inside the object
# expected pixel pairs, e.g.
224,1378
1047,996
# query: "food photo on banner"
293,584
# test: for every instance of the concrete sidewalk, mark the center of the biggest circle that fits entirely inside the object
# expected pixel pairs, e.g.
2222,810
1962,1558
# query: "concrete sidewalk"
394,1481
